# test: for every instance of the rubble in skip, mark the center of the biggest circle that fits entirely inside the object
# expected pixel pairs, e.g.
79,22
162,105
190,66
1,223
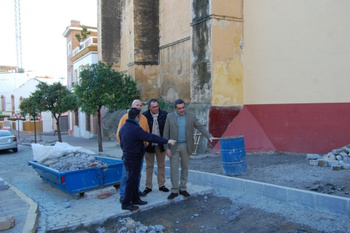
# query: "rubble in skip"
64,157
74,161
337,159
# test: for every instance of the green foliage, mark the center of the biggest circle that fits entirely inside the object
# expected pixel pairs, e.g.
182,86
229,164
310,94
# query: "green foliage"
161,103
55,98
29,106
83,34
101,86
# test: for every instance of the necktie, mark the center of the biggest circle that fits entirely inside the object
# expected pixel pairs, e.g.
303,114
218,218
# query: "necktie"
155,128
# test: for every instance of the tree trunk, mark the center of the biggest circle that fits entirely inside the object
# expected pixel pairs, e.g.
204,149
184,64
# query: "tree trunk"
34,131
99,130
58,128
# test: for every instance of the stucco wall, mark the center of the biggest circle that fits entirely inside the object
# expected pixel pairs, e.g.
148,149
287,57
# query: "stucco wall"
227,66
127,36
109,30
174,20
175,46
296,52
175,68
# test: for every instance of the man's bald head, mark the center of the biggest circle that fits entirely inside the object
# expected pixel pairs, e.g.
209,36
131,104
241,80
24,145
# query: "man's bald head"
137,104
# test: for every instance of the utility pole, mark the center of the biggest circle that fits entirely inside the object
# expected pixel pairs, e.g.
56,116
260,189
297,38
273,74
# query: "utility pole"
18,35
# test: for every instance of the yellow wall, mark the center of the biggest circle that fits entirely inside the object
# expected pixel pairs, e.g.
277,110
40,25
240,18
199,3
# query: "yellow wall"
175,66
175,50
174,20
147,81
127,37
296,51
29,126
227,68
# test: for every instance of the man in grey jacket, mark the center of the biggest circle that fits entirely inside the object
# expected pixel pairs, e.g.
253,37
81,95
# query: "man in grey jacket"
180,125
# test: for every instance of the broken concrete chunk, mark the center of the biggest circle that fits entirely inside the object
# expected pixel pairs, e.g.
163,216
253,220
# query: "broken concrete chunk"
339,157
7,222
313,162
343,154
312,156
336,167
322,163
337,151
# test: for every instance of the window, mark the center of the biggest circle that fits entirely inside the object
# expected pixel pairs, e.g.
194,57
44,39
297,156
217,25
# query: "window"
69,48
76,118
88,122
69,80
75,77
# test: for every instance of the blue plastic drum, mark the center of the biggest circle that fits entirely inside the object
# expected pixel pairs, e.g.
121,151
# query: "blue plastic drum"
233,155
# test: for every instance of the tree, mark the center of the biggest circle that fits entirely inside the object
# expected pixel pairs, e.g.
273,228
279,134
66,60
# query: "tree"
83,34
31,107
101,86
57,99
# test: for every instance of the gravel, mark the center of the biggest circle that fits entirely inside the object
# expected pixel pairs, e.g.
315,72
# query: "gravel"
233,212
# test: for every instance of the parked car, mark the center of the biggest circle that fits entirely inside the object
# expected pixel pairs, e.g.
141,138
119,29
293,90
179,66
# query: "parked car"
8,141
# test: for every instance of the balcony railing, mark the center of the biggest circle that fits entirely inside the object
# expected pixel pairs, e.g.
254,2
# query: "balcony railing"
92,40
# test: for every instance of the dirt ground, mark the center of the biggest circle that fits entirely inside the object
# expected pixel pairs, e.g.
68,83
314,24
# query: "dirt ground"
206,214
285,169
220,214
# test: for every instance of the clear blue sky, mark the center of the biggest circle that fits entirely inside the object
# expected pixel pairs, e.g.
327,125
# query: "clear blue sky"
43,24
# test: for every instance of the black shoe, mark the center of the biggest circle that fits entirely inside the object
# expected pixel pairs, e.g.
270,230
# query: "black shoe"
184,193
164,189
147,190
139,202
172,196
142,194
130,207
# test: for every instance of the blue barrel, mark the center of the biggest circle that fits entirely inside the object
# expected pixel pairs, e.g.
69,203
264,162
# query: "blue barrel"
233,155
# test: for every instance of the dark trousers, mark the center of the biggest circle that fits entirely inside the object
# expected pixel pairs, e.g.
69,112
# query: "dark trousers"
133,167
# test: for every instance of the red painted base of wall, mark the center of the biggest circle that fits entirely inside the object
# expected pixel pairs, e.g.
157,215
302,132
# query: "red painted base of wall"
300,128
219,119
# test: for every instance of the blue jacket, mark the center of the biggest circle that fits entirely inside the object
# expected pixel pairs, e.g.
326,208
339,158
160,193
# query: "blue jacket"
161,122
132,138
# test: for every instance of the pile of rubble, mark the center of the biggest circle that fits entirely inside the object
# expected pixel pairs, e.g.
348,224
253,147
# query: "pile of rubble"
64,157
327,188
129,225
74,161
337,159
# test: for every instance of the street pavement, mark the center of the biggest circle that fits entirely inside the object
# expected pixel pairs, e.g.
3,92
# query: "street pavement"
58,210
46,208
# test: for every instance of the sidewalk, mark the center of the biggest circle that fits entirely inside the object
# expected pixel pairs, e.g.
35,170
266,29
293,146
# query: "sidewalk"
58,210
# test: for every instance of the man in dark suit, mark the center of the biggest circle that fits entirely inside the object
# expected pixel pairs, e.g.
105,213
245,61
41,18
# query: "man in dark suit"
180,126
156,121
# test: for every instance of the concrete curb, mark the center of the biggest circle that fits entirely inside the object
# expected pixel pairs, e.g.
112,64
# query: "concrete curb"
317,201
33,212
